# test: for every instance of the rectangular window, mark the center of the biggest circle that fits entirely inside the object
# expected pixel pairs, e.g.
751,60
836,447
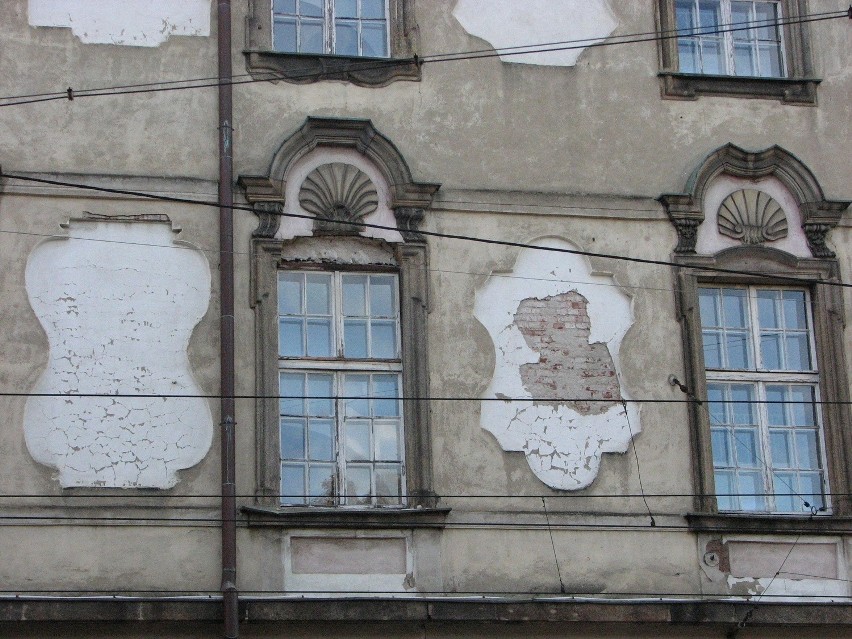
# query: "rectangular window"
750,42
763,397
340,379
339,27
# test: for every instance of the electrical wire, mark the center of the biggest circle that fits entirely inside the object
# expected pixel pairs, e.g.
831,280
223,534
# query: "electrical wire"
650,36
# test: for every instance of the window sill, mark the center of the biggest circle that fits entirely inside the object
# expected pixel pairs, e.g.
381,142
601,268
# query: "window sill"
304,68
768,523
689,86
384,518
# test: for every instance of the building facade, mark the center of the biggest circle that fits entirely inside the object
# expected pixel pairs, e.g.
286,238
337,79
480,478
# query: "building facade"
408,317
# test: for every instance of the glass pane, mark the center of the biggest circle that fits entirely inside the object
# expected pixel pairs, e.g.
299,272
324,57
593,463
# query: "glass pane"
292,439
810,487
751,491
386,436
292,385
319,294
382,302
798,353
290,293
795,313
767,311
346,8
735,307
708,303
807,449
744,63
346,37
784,485
355,295
374,39
319,338
388,484
775,406
321,387
725,490
801,405
357,440
355,338
721,447
716,406
386,386
770,61
357,484
372,8
292,484
290,338
357,386
687,52
740,18
284,35
712,349
383,339
321,484
312,40
712,60
738,347
766,14
745,442
709,13
770,351
284,6
311,8
742,406
321,440
781,448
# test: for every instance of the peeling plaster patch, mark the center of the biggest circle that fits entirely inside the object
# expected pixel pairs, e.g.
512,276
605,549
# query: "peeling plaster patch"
510,23
141,23
118,318
563,442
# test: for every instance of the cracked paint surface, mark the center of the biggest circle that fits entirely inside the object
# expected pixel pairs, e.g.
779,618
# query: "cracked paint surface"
118,312
563,441
508,23
141,23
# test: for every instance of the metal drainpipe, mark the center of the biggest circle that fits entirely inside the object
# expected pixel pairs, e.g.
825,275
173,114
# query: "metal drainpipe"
230,597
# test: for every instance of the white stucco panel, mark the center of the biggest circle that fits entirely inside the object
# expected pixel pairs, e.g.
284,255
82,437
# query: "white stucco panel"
563,445
510,23
118,301
141,23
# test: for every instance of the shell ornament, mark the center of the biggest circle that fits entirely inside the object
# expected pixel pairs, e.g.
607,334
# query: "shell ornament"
752,216
340,196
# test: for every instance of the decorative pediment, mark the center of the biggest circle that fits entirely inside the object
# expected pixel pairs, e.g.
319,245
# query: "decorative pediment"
340,196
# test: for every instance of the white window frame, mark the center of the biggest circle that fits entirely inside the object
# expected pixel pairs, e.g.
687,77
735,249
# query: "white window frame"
760,377
727,38
329,30
338,366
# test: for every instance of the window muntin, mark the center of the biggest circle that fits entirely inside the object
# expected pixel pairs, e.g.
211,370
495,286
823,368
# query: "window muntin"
339,27
340,416
753,52
763,393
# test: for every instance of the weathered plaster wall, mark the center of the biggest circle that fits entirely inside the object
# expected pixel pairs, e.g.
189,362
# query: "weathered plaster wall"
141,23
557,329
118,301
508,24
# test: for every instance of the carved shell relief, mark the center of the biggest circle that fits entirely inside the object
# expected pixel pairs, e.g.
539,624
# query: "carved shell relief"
752,216
339,195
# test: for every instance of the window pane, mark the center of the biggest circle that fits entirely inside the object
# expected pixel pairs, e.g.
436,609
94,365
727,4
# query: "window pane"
388,484
292,385
687,52
775,407
374,39
802,406
321,484
709,13
721,447
712,349
383,339
290,293
284,6
740,18
746,443
321,440
319,294
807,450
292,484
770,61
382,296
321,389
795,313
770,351
744,62
767,310
293,439
781,448
319,338
312,40
387,441
738,347
346,8
810,488
735,307
372,8
357,386
346,38
290,338
357,440
355,338
798,352
387,387
766,14
725,490
355,295
357,484
712,60
284,35
708,303
742,406
751,491
311,8
716,406
784,486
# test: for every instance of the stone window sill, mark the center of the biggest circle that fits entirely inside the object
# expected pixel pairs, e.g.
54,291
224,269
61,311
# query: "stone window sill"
302,68
768,524
384,518
690,86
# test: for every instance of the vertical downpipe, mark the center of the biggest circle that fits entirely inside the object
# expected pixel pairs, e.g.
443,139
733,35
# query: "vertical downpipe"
230,600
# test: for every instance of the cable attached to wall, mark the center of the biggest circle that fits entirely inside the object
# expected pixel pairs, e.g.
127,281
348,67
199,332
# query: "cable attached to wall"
553,546
638,469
